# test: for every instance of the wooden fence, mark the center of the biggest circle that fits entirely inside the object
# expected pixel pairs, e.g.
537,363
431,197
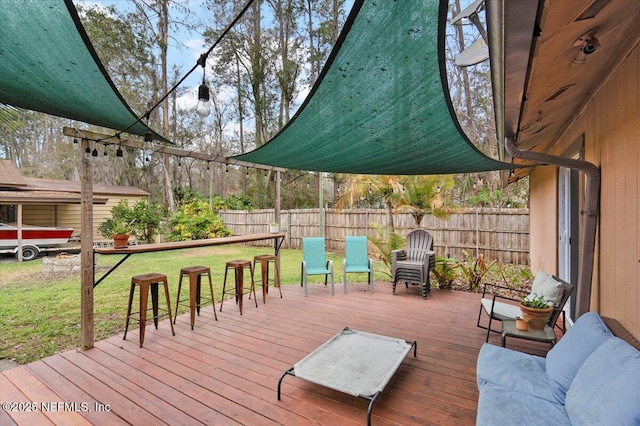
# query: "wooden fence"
498,234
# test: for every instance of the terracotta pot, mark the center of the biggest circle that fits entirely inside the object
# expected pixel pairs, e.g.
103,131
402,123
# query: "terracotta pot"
522,324
537,318
120,240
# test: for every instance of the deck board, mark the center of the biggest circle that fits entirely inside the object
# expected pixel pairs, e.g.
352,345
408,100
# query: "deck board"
226,371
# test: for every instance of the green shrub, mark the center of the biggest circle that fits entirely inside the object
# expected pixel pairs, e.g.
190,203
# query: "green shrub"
384,242
195,221
142,220
445,272
474,270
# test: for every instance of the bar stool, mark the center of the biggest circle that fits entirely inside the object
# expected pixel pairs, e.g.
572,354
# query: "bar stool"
145,282
195,274
265,260
238,266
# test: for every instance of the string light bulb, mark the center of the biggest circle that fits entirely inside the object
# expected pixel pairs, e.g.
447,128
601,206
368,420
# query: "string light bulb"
203,108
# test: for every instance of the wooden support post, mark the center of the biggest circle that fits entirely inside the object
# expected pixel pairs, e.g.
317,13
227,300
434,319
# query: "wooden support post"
86,258
277,198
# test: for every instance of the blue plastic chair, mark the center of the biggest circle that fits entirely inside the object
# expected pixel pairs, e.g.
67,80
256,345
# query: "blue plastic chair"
357,259
314,262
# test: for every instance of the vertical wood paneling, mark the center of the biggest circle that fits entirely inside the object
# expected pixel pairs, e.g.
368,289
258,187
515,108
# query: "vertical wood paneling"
611,126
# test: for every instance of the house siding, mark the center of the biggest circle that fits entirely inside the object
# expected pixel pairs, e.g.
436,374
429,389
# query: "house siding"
610,124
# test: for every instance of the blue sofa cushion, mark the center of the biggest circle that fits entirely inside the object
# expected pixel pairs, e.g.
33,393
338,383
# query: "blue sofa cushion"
566,357
606,389
516,370
499,405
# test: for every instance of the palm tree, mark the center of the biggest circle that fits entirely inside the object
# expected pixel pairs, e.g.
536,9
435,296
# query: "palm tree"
384,188
423,195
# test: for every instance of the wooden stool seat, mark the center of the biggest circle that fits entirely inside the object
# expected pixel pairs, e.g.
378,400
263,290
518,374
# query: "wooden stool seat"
146,282
195,274
265,260
238,267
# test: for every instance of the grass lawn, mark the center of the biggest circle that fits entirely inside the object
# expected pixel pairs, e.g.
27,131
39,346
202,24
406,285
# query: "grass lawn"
40,316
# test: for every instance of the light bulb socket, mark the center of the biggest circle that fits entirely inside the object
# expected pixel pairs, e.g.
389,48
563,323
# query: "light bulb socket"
203,92
119,152
148,136
94,153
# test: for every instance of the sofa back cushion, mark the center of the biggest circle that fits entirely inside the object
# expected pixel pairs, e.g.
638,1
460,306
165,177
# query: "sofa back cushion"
565,359
606,389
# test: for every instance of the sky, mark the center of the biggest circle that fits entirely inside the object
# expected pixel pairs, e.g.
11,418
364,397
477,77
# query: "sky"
183,51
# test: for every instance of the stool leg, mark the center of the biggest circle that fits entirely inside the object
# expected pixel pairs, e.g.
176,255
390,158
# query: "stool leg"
224,287
254,268
276,283
166,295
144,298
239,286
198,290
264,268
154,302
253,286
213,300
193,287
126,325
178,297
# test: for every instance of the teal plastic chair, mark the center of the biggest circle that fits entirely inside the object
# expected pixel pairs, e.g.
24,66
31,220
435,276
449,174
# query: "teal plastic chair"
314,262
357,259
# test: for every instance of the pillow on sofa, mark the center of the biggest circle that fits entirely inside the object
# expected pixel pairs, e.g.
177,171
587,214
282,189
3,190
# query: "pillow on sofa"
546,286
567,356
606,389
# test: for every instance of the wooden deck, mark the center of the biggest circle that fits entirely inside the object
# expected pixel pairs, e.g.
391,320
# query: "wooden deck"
226,372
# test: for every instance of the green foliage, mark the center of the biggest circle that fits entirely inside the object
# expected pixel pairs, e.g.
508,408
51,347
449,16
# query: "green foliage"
537,303
474,271
423,195
384,242
142,220
195,221
232,202
445,272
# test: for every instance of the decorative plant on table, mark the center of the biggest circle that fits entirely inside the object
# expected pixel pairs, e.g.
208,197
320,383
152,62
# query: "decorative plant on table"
142,220
536,310
117,229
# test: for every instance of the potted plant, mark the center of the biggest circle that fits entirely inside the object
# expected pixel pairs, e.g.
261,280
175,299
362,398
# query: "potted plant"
522,324
274,228
536,311
116,229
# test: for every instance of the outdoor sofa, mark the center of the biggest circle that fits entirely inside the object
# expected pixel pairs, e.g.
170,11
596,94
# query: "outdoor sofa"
591,377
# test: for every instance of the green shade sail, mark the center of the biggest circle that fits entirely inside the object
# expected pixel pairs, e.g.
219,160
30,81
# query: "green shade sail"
47,64
381,105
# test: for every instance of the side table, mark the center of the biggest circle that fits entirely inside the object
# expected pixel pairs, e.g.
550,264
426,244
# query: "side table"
509,330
